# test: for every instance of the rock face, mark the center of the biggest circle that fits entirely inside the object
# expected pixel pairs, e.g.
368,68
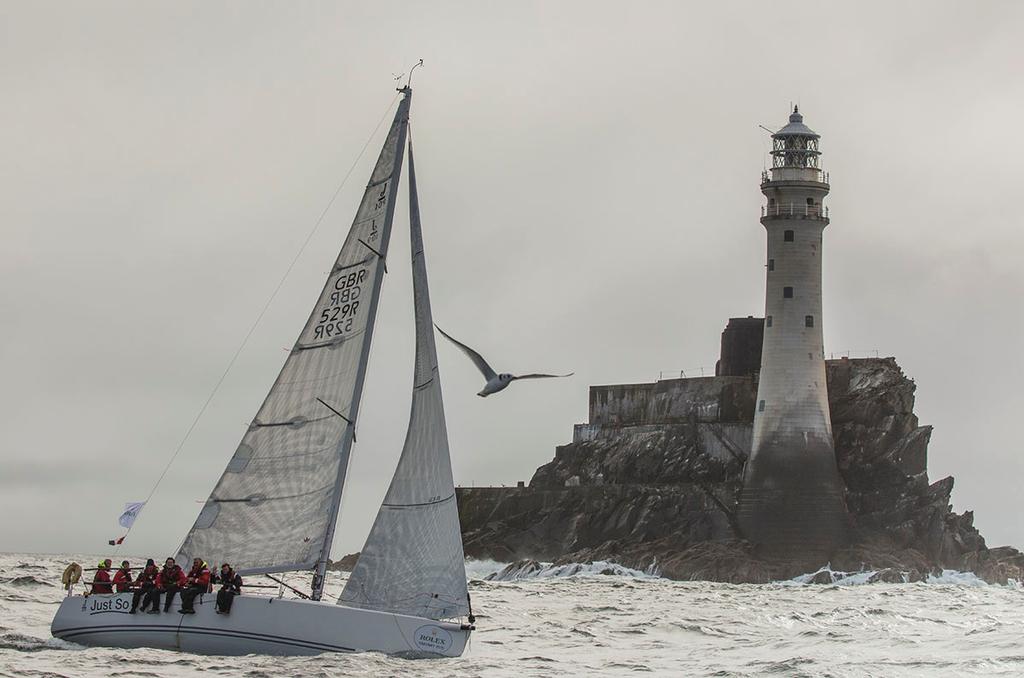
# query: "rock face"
344,565
653,480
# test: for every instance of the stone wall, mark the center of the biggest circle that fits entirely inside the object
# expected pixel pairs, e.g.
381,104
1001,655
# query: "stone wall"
672,401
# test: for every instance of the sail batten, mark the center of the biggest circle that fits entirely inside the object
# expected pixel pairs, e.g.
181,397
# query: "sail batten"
413,562
276,504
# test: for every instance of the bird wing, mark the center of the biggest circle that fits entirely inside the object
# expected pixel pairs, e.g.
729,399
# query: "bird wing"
541,376
477,359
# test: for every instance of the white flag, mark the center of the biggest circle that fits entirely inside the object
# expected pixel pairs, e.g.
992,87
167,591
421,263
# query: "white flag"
131,512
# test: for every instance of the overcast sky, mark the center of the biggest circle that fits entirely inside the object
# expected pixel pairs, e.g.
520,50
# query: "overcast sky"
589,187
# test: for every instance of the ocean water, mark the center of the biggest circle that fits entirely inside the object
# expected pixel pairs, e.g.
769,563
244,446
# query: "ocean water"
572,621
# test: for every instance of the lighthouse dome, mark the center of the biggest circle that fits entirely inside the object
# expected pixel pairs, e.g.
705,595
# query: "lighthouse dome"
796,127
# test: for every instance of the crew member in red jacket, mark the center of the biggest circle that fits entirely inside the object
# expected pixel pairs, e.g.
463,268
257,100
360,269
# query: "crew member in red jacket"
198,583
123,577
101,582
170,580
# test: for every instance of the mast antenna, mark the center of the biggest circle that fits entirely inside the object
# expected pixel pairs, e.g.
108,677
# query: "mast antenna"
408,81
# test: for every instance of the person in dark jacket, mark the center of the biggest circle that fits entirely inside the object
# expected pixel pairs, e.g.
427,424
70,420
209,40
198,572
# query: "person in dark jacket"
123,577
170,580
145,583
230,586
101,582
198,583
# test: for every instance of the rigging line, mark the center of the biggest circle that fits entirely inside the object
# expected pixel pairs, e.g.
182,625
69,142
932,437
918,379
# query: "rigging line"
347,420
379,255
266,306
291,588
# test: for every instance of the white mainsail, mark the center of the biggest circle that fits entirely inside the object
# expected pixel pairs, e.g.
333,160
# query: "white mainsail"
275,507
413,561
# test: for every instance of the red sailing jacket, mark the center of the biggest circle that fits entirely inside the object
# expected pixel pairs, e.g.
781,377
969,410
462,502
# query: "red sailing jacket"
122,580
168,578
147,576
101,582
199,576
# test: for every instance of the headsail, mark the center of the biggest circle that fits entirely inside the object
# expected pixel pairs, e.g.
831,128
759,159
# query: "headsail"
413,561
275,506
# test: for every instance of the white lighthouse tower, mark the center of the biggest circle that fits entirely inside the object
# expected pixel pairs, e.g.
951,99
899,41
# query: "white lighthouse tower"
792,503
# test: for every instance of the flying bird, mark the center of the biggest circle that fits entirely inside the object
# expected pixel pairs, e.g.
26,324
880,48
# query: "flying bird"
495,382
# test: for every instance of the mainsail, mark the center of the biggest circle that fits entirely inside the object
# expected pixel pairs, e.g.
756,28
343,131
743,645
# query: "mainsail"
276,505
413,561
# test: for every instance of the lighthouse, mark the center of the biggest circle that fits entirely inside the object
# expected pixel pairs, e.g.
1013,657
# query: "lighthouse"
792,503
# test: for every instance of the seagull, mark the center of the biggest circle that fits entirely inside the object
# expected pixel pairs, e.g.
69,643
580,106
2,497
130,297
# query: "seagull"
495,382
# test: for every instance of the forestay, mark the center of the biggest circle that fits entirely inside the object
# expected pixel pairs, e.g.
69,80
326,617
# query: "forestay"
413,561
275,506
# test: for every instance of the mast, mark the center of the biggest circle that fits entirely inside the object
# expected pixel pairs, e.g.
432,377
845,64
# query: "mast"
345,446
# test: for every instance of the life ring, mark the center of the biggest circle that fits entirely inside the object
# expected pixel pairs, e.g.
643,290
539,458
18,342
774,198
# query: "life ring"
72,573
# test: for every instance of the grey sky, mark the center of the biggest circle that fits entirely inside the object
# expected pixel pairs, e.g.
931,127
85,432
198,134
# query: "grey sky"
589,186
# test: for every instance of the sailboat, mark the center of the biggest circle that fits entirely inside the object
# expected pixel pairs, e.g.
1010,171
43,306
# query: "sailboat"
276,505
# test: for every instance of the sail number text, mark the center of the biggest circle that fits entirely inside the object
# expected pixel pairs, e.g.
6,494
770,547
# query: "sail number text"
342,306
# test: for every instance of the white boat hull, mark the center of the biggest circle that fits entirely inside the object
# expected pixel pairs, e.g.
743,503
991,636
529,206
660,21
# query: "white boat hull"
256,625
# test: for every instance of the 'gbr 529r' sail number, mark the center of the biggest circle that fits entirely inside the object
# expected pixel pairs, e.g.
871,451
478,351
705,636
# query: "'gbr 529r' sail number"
342,305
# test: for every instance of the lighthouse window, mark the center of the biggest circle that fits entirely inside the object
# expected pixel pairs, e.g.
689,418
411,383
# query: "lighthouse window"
760,406
809,321
787,292
771,264
810,201
768,321
787,236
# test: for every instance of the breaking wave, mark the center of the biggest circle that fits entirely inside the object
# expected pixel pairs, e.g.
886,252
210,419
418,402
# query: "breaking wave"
478,569
532,569
963,579
826,575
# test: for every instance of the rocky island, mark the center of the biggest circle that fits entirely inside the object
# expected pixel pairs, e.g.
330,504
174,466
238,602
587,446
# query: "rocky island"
652,482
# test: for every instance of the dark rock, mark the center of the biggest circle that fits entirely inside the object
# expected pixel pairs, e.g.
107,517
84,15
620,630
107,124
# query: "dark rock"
729,561
822,577
889,575
654,481
344,565
996,566
516,570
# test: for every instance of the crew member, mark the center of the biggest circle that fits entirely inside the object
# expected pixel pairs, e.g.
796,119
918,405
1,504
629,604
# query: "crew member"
101,582
198,582
123,577
231,586
144,585
169,581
